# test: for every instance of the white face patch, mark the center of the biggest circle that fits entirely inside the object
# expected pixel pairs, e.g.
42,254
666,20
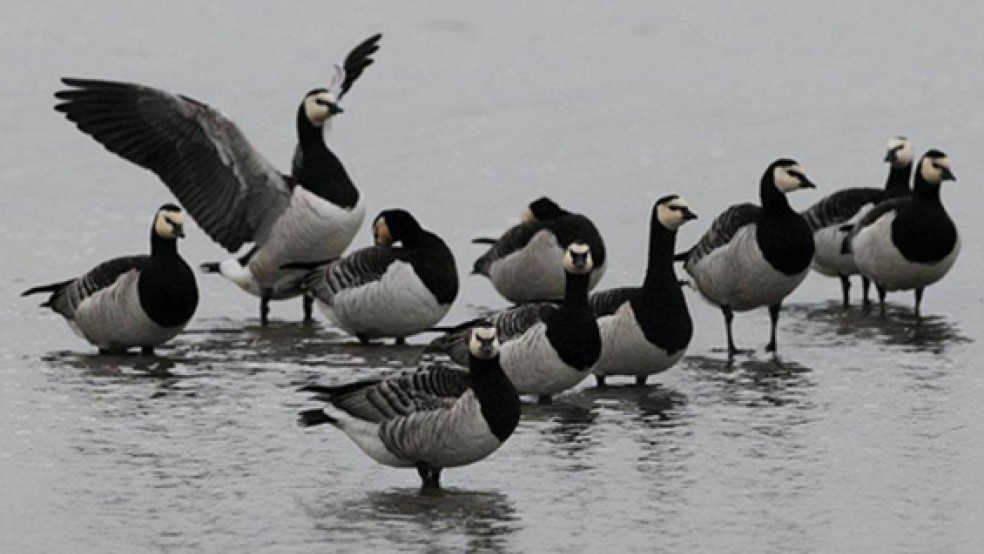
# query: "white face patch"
581,252
381,233
903,151
671,214
931,169
527,216
317,113
483,344
785,179
163,223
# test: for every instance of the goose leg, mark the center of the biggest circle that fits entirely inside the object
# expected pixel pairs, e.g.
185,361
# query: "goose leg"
846,289
399,341
865,288
773,323
881,298
147,350
545,399
729,316
265,306
600,381
641,380
919,295
430,478
308,301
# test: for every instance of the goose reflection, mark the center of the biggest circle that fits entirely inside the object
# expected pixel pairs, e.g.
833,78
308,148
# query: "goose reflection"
446,520
754,382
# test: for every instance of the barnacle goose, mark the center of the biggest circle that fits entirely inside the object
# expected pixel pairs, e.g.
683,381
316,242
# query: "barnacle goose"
645,330
134,301
230,190
524,263
547,347
387,290
433,418
755,256
834,217
909,242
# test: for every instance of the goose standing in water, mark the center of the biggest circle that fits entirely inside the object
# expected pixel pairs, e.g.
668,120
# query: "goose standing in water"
387,290
755,256
134,301
524,263
233,193
547,347
431,419
909,243
834,217
645,330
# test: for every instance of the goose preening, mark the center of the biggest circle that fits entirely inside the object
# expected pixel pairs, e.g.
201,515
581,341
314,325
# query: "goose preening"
388,290
431,419
233,193
134,301
524,263
755,256
645,330
834,217
547,347
909,243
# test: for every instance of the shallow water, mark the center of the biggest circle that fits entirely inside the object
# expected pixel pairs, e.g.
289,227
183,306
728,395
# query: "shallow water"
865,435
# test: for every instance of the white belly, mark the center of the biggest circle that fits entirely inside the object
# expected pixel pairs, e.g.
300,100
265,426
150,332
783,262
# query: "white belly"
625,350
879,259
828,259
738,275
534,367
397,305
311,230
112,319
535,272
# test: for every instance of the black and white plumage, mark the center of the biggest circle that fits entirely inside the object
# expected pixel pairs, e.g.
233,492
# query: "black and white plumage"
431,419
388,290
547,347
233,193
134,301
909,243
833,218
645,330
524,263
755,256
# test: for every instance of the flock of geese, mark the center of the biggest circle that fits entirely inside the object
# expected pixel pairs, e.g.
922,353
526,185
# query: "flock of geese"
459,408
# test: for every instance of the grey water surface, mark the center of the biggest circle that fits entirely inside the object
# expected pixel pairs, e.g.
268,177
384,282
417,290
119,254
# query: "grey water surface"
866,435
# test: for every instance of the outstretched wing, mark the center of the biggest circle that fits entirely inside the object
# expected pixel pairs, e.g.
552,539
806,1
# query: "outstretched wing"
723,229
840,207
230,190
608,302
67,296
358,60
515,238
355,270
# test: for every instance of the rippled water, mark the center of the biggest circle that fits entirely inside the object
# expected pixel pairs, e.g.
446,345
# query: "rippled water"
865,435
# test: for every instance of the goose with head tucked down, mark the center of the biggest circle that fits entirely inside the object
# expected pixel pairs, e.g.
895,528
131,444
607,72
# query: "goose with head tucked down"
752,255
524,263
833,218
909,243
547,347
388,290
134,301
645,330
233,193
433,418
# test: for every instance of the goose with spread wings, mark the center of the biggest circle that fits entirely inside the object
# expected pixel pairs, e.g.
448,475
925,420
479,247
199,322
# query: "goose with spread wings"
234,194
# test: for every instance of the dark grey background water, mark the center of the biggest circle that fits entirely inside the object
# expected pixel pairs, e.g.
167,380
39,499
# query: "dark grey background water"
866,438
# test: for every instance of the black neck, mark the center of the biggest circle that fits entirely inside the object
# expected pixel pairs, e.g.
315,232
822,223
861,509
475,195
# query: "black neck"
898,181
161,247
925,192
321,172
659,272
496,395
576,290
774,202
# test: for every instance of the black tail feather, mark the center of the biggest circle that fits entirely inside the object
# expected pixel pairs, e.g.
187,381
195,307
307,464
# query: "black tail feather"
310,418
209,267
46,288
484,240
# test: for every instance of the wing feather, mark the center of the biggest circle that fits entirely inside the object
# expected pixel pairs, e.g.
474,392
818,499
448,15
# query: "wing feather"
723,229
67,296
840,206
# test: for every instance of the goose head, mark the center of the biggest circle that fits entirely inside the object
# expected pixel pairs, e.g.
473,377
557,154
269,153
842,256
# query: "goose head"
934,168
672,211
169,222
395,225
542,209
483,343
788,175
320,105
899,152
577,259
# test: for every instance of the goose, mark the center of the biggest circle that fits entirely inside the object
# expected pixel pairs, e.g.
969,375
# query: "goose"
755,256
233,193
133,301
833,217
547,347
645,330
386,290
909,242
523,264
433,418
